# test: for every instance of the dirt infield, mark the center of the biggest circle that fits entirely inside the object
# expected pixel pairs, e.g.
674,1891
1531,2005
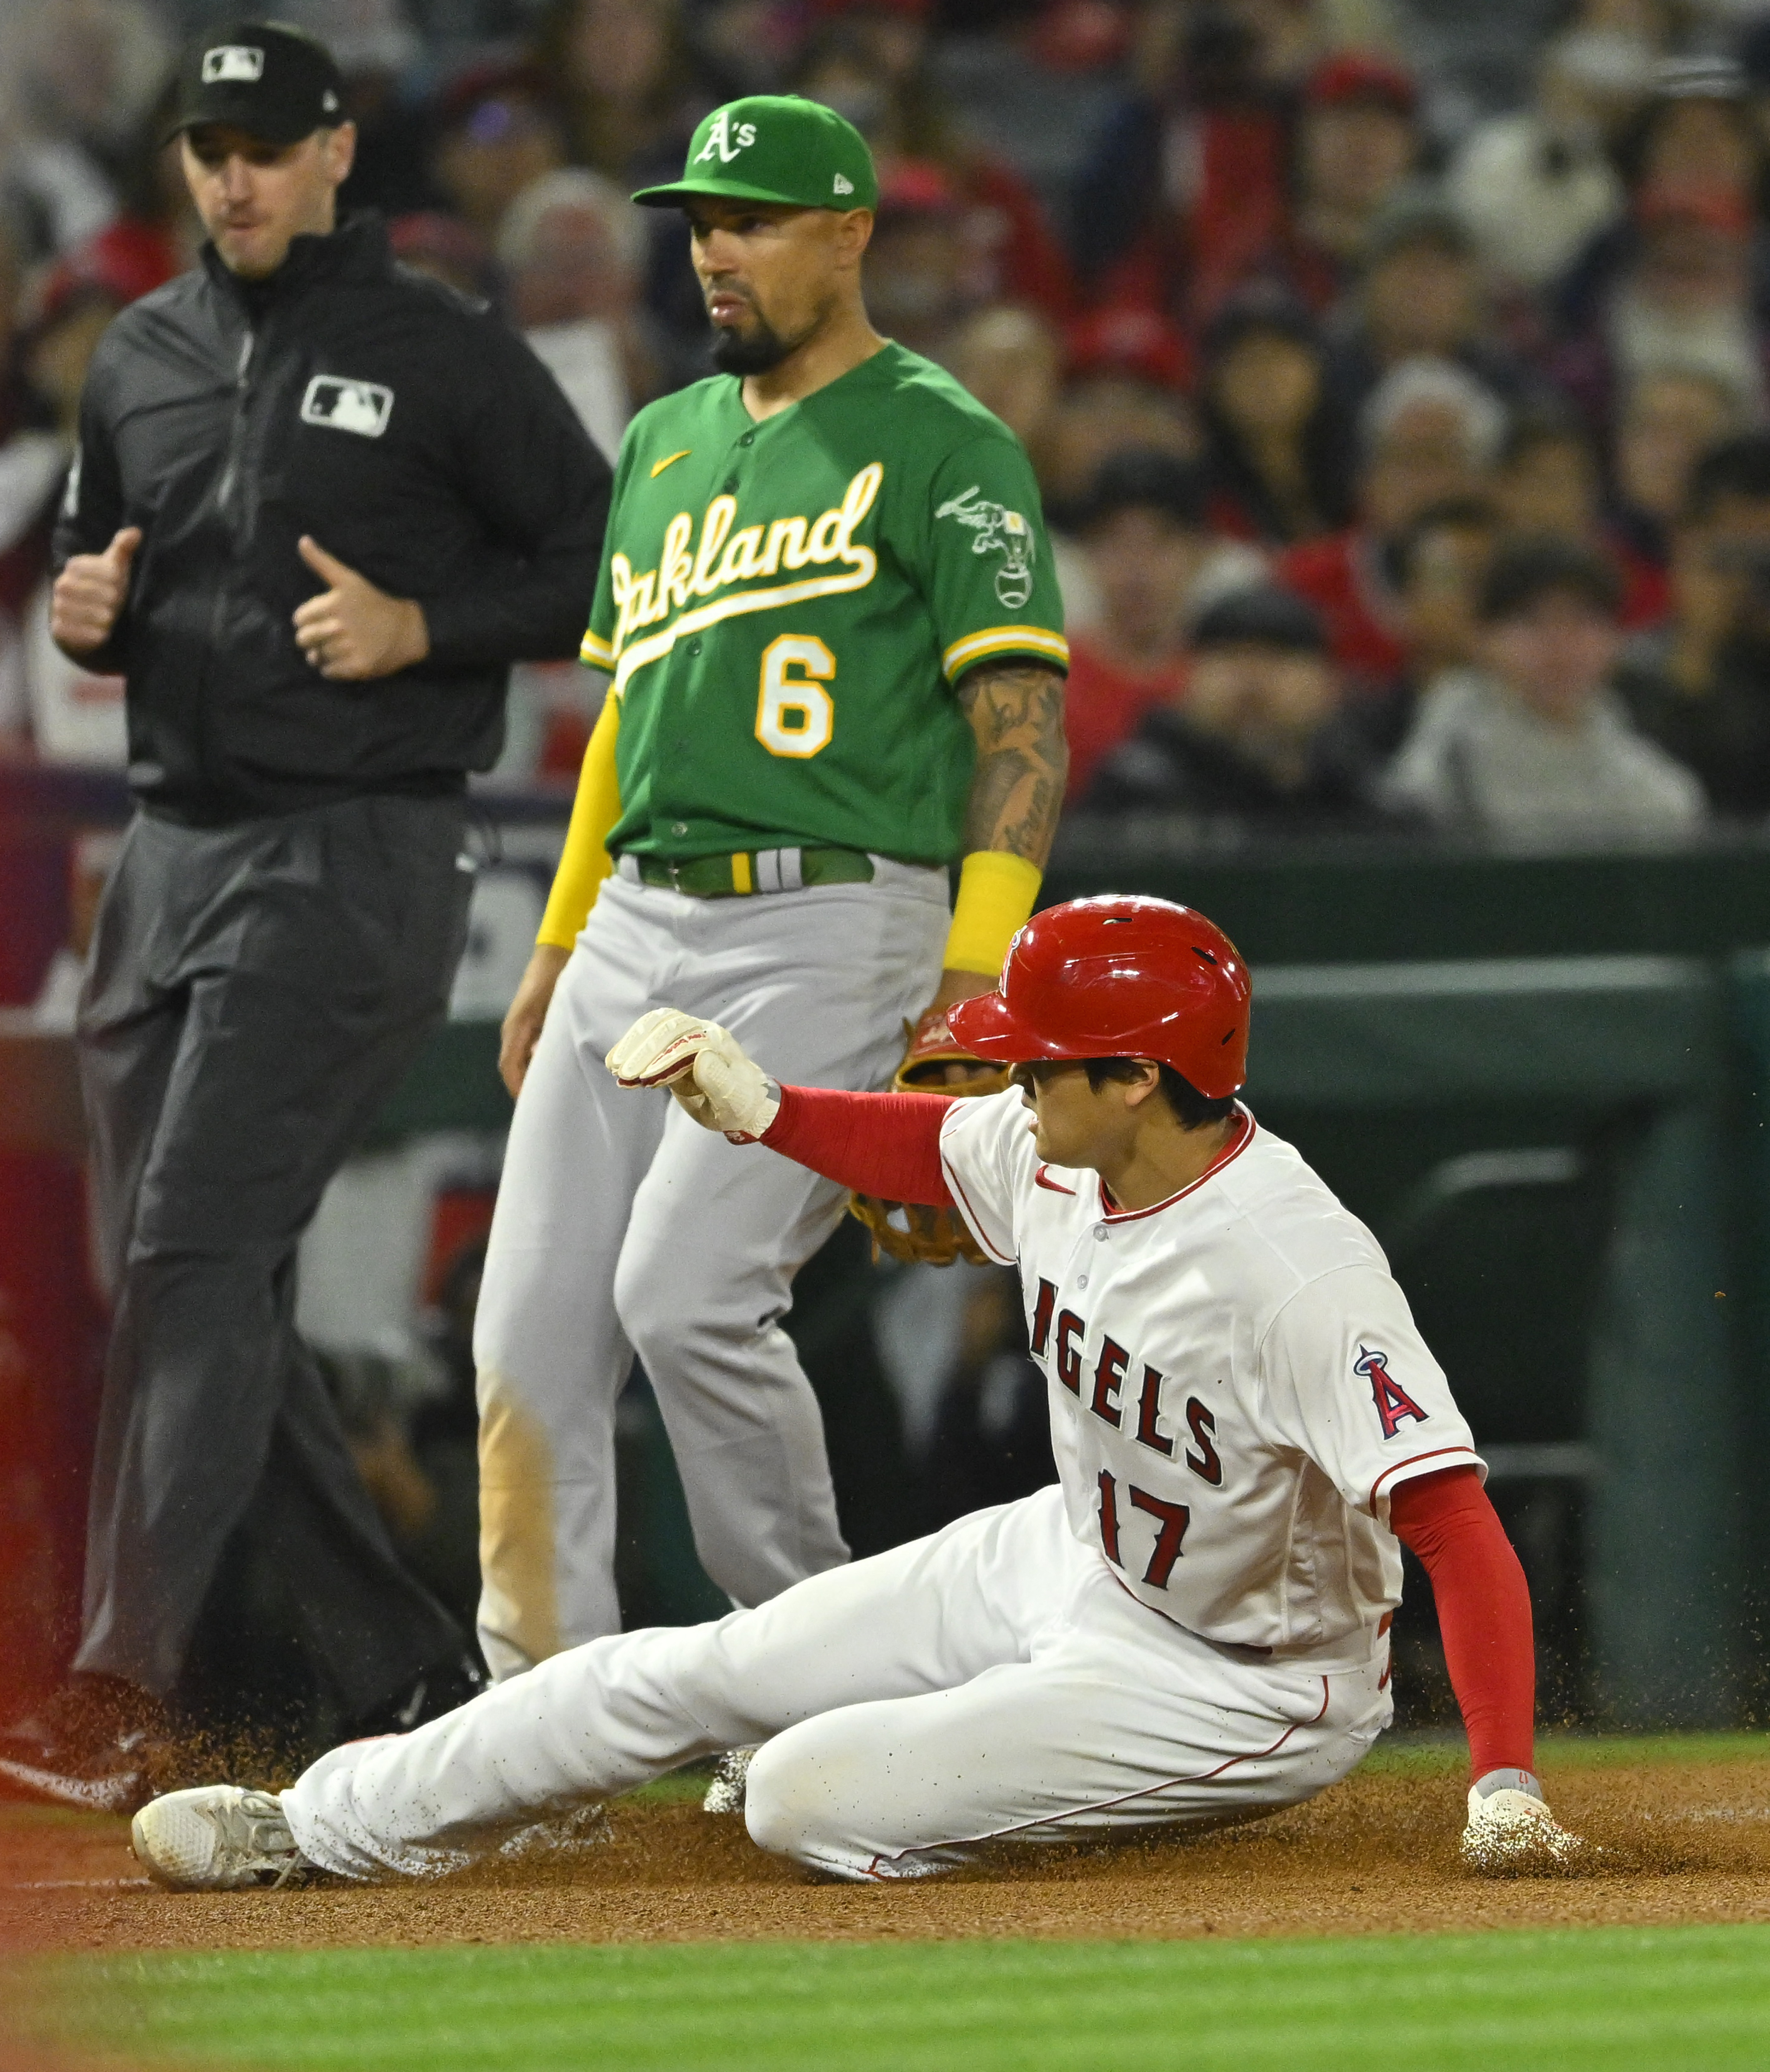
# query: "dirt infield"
1375,1854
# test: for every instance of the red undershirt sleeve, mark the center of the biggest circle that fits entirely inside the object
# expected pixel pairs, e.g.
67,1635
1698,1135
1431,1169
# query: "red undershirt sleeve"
887,1144
1484,1611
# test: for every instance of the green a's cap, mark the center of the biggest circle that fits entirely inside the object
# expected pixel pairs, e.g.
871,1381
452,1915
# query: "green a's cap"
775,147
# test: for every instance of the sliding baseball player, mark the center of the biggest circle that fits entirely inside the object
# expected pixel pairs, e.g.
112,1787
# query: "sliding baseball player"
1191,1624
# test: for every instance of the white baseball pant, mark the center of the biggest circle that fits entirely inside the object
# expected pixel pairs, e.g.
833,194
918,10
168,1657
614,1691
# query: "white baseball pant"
622,1228
991,1683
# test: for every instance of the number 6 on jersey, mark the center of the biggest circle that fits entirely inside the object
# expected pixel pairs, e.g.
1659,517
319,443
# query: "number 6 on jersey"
794,714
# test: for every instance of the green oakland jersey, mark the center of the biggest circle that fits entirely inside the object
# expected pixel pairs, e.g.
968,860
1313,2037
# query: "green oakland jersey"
786,606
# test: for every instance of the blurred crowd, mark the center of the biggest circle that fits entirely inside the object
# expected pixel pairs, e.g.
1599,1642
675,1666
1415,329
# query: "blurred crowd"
1398,387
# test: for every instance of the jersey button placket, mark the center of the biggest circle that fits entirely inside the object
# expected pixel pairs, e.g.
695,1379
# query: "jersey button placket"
1099,1235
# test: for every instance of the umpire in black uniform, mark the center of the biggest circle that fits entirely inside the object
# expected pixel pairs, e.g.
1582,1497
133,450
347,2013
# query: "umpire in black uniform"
320,505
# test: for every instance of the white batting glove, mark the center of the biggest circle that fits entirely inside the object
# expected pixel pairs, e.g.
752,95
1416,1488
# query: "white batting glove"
704,1067
1511,1830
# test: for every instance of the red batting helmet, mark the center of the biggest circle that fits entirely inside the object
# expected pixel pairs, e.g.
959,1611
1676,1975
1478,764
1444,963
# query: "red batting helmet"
1118,978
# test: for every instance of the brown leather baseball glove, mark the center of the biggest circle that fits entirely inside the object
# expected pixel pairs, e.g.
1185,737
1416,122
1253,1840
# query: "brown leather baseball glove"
909,1230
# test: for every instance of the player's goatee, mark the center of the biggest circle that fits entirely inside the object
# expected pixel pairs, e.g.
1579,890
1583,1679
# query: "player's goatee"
735,353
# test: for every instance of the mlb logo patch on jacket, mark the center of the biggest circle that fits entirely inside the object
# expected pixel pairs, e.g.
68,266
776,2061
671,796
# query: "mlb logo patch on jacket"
343,405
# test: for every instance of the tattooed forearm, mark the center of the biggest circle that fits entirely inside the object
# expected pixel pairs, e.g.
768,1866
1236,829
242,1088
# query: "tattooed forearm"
1017,713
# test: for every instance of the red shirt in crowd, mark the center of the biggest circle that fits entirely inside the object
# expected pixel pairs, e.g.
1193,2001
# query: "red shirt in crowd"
1341,577
1104,703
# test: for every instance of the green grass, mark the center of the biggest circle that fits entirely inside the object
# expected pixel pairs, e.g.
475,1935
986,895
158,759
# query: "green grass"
1445,1755
677,1789
1685,1999
1678,1999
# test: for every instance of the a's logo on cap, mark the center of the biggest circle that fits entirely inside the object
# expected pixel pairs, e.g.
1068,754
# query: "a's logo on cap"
725,139
844,186
232,61
328,101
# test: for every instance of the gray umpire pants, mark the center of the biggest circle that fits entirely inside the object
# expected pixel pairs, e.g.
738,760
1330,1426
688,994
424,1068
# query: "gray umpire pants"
622,1228
255,993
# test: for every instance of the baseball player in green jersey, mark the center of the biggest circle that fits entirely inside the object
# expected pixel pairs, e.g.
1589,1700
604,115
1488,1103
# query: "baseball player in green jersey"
828,609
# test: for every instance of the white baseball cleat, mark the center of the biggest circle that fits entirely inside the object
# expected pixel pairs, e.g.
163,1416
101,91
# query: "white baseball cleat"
217,1838
1510,1829
725,1794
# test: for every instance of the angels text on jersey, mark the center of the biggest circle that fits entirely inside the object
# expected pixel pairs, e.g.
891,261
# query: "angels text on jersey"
1235,1382
1125,1393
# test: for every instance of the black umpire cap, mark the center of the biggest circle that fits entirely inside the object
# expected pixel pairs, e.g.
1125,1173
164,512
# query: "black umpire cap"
277,84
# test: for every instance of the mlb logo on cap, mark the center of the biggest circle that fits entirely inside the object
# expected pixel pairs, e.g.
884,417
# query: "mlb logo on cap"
232,61
276,83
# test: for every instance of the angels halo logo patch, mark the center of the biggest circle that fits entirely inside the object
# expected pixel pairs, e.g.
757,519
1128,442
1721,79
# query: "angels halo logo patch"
343,405
1392,1400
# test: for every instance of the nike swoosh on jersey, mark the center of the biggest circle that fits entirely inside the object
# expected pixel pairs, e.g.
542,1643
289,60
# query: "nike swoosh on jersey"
1039,1180
669,460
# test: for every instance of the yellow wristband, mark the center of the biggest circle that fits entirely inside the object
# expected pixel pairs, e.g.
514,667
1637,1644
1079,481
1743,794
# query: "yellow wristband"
585,862
995,895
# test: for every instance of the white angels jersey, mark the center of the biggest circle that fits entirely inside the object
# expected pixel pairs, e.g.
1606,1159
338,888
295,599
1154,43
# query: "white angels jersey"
1236,1383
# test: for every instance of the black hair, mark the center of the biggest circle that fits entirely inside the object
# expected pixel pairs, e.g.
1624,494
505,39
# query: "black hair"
1193,1108
1139,478
1738,467
1263,615
1526,570
1449,514
1261,308
1265,309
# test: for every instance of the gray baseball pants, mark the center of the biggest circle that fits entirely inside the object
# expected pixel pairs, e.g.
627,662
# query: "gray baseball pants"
255,992
622,1228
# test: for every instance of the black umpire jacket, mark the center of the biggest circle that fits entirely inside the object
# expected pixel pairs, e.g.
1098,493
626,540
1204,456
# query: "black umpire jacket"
405,427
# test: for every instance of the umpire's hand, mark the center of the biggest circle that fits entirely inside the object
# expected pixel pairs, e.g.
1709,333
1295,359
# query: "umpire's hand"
89,595
352,630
